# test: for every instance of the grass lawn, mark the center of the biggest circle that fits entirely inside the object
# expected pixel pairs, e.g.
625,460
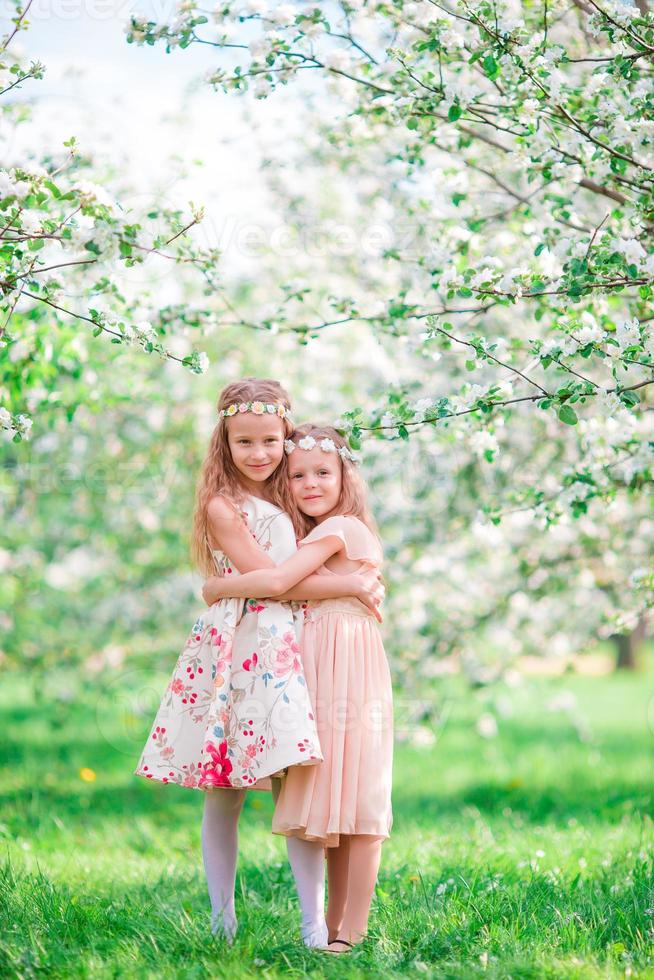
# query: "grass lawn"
528,854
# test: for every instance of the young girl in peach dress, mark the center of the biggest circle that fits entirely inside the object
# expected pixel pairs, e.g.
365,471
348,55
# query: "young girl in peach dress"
345,801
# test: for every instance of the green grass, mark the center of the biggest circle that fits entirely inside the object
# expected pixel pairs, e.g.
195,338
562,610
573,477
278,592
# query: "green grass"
528,855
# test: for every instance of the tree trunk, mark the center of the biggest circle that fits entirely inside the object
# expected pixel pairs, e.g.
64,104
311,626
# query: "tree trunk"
627,646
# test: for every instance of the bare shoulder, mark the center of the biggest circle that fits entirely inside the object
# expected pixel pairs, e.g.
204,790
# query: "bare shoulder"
224,513
220,508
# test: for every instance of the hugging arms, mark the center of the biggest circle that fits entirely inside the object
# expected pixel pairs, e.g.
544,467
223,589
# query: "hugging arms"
300,579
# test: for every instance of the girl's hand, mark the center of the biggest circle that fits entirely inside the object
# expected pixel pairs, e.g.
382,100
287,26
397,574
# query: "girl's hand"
213,589
369,589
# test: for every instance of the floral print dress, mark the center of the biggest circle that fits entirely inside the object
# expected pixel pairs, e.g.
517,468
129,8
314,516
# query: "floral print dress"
237,709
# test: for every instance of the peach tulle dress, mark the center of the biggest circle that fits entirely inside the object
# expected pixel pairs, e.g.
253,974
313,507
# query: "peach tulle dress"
349,683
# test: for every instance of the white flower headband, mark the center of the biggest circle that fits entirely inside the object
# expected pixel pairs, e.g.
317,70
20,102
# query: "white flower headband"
327,446
259,408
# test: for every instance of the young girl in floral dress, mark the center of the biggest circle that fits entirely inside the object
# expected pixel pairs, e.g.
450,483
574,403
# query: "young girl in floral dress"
237,710
344,802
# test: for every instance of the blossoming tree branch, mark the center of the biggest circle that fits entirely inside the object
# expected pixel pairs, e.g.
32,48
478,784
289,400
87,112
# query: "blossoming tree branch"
64,239
546,113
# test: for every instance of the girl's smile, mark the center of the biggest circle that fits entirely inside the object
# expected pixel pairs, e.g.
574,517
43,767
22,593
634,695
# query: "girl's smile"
315,479
256,443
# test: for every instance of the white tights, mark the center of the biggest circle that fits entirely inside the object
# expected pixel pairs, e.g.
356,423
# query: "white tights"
222,808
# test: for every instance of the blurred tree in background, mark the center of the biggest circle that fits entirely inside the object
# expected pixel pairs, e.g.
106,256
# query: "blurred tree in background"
457,262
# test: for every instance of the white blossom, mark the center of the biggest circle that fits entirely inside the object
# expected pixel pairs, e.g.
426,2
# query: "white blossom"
258,48
627,332
30,222
338,60
145,331
632,250
87,189
7,185
23,425
283,15
483,440
422,406
262,88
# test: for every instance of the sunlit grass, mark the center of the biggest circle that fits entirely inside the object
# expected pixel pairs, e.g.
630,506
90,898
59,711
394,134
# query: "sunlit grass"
528,854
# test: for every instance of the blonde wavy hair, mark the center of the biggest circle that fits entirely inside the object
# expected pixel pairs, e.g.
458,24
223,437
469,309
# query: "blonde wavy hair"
219,474
353,499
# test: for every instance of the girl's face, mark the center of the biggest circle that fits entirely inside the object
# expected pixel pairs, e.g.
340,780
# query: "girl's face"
256,443
315,478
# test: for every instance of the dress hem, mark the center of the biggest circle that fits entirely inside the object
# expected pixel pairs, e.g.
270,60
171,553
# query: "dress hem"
203,789
330,839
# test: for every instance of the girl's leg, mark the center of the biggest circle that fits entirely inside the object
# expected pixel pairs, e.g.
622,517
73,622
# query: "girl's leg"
307,860
365,855
222,808
337,872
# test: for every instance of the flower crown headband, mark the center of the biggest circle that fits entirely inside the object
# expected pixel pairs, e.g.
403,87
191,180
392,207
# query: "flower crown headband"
327,446
258,408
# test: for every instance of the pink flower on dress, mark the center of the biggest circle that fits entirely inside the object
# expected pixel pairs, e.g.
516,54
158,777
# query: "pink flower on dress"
216,772
288,657
177,686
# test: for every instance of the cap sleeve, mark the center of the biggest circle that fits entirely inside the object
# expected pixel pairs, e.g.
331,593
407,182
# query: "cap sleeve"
359,541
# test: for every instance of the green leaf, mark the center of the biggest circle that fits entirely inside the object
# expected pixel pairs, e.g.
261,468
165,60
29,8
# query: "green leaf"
412,123
629,398
403,432
491,67
455,112
539,248
568,415
52,187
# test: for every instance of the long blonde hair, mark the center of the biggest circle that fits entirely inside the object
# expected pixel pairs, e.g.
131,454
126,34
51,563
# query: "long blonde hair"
353,499
219,474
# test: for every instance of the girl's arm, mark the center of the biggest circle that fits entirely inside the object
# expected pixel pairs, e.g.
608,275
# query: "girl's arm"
334,585
365,585
232,535
280,579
